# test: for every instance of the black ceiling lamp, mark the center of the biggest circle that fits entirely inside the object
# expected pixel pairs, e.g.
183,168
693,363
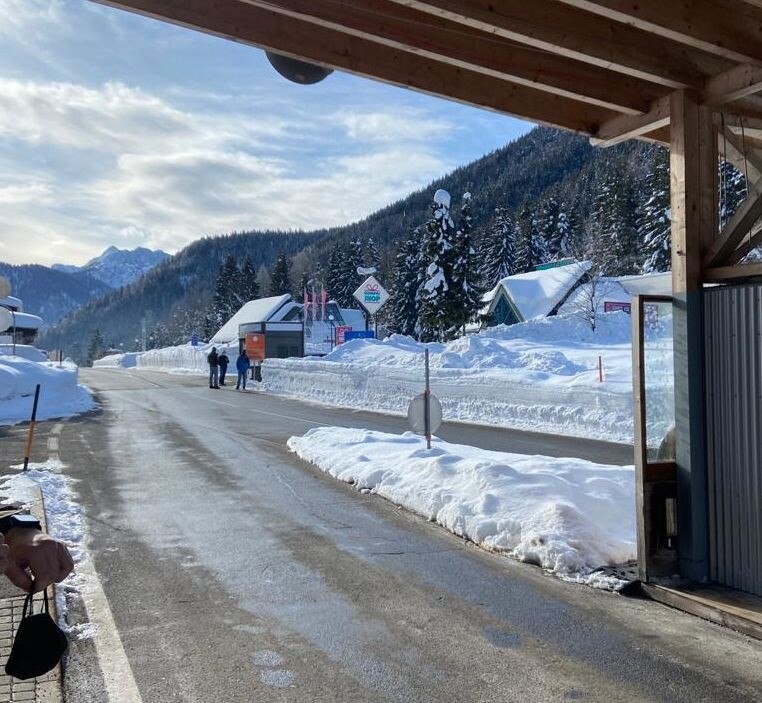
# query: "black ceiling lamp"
297,71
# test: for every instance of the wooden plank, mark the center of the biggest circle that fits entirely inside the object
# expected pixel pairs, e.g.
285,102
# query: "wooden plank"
742,620
623,127
426,35
640,440
735,84
727,29
662,471
732,273
584,36
740,155
739,225
292,37
747,245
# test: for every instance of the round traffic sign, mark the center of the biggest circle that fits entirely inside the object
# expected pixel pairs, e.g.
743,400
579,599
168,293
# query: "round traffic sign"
416,414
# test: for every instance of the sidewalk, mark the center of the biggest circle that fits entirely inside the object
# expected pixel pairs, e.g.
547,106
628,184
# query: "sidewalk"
48,688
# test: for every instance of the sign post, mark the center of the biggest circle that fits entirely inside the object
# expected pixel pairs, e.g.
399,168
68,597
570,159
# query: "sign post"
424,413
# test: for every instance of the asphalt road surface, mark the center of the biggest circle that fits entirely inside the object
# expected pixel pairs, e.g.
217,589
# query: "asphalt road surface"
235,572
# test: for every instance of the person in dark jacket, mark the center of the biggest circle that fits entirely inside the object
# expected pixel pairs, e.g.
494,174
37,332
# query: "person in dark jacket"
214,368
242,365
223,360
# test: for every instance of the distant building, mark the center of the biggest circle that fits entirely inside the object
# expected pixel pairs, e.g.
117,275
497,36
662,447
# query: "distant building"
25,326
538,293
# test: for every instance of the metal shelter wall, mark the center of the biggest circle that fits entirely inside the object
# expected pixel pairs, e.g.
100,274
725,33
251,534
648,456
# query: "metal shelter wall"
733,335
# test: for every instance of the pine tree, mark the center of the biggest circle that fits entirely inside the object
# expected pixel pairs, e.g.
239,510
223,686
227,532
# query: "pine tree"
466,299
613,225
405,302
551,229
95,348
653,221
372,255
732,184
498,249
529,253
280,276
224,302
338,278
437,321
249,288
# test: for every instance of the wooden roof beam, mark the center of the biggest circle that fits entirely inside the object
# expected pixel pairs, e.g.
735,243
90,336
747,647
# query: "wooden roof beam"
715,26
735,84
271,30
555,27
739,225
403,28
623,127
741,155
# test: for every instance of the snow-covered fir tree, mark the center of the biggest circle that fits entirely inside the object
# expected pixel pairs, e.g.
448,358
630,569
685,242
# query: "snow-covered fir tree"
341,277
437,320
529,246
372,255
497,253
249,288
552,228
653,219
732,185
613,225
404,305
465,286
95,348
280,276
225,302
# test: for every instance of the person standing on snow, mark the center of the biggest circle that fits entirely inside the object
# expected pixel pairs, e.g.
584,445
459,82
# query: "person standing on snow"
242,365
223,361
214,368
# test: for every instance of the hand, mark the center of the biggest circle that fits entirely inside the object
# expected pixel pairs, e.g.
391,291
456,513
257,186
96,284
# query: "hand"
32,554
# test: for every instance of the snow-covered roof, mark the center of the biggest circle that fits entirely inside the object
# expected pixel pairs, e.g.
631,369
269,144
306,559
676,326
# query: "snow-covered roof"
354,318
260,310
25,321
12,303
537,293
648,284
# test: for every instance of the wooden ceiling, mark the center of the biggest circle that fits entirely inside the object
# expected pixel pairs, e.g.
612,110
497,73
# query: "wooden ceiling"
604,68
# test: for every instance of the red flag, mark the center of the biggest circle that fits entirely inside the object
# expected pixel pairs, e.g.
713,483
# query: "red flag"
314,305
306,305
325,300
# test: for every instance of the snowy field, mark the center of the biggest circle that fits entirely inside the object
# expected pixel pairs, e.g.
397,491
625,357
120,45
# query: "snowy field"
540,375
60,394
568,516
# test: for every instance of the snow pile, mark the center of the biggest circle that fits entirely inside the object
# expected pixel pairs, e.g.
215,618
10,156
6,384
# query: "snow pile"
60,394
65,522
567,515
184,359
127,360
540,375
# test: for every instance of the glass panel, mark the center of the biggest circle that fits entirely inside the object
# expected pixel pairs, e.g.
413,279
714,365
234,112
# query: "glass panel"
659,377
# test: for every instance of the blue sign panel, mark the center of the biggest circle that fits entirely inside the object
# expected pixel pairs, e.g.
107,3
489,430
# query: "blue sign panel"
194,340
349,335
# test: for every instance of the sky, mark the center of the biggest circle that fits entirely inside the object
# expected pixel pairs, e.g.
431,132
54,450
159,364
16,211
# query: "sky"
120,130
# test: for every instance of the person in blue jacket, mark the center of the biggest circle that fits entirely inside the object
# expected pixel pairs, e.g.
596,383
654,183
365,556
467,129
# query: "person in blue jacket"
242,365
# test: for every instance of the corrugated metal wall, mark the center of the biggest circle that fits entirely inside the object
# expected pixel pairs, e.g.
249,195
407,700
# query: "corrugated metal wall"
733,330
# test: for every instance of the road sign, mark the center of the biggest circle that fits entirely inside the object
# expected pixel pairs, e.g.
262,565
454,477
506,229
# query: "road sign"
358,334
255,346
371,295
416,414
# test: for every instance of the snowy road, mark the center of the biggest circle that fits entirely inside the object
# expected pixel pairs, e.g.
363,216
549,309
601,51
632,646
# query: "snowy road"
236,573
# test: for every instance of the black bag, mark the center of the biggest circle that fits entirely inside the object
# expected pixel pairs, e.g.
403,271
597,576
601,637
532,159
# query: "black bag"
39,643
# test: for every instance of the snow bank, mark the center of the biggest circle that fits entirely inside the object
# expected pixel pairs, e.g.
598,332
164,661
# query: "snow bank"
184,359
540,375
65,521
567,515
127,360
60,394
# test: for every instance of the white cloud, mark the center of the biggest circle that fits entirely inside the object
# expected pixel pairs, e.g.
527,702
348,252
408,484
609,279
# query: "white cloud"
132,167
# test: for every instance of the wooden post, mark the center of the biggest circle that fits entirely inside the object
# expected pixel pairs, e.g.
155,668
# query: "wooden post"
693,196
600,369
